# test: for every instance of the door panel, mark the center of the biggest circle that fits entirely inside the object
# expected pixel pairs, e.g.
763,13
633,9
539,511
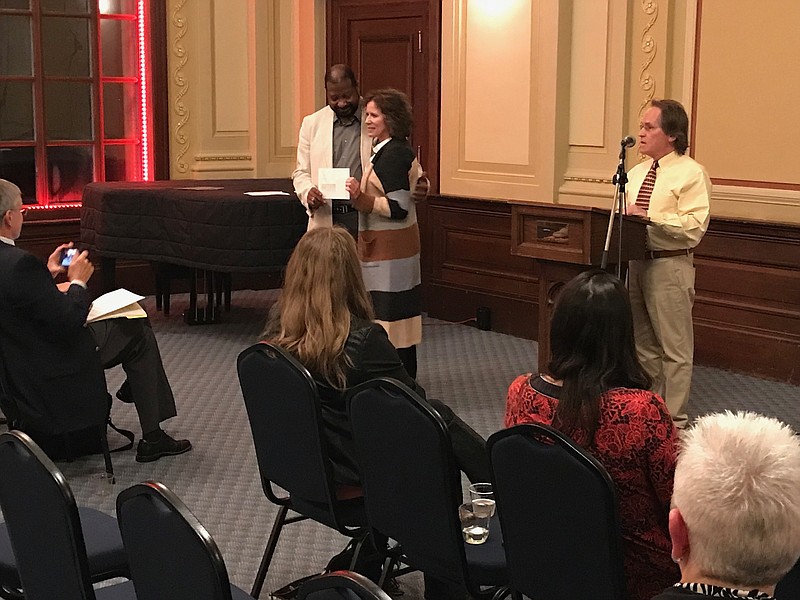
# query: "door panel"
394,44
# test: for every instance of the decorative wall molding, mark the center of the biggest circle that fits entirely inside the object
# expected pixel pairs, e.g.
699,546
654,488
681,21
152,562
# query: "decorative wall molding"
179,26
520,46
588,180
281,73
649,47
589,73
228,78
222,157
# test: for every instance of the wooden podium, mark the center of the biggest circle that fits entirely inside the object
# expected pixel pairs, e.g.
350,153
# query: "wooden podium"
565,241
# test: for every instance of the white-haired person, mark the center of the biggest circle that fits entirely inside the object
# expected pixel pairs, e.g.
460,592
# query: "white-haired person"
735,522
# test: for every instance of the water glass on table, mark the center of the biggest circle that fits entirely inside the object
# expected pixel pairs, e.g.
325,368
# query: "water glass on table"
474,525
482,498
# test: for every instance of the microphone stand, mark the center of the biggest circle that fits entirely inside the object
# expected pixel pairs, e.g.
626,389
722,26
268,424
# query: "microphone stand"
618,207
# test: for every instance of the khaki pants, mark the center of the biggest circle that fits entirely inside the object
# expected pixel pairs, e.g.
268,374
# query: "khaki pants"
662,296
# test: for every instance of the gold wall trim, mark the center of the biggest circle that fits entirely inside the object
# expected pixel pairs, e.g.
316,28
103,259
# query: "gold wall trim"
588,179
649,47
222,157
279,18
180,27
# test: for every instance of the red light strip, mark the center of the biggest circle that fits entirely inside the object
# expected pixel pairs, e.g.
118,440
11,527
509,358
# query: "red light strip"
54,206
143,90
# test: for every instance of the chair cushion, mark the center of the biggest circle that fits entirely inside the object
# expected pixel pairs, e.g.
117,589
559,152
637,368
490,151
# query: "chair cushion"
9,578
104,547
487,562
349,512
239,594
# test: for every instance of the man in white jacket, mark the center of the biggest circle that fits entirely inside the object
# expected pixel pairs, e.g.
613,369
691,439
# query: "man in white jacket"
334,136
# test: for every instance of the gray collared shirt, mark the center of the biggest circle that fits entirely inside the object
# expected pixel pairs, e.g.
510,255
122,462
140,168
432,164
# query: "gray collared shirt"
347,144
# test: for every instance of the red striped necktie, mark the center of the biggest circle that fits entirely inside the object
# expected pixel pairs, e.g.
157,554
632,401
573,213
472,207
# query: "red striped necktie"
643,199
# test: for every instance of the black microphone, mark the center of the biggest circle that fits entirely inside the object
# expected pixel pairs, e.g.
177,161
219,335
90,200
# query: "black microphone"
628,142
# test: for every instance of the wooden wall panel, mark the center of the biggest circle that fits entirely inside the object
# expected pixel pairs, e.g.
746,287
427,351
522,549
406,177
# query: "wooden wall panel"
467,263
747,309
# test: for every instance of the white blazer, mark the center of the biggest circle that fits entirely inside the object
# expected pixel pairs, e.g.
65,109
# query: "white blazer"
315,151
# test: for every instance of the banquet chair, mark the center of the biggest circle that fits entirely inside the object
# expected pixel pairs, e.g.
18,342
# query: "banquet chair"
59,550
283,408
558,511
341,585
59,440
412,489
788,588
171,554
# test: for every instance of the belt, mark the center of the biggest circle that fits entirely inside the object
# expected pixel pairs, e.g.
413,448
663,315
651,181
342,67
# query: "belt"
342,208
651,254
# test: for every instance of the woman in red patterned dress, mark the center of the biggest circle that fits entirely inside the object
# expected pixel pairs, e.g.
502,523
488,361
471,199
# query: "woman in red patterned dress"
596,392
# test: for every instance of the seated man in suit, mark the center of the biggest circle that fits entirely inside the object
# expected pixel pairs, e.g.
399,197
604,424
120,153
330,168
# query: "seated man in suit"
55,362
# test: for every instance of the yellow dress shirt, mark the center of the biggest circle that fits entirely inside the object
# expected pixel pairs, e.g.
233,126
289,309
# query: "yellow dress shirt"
679,205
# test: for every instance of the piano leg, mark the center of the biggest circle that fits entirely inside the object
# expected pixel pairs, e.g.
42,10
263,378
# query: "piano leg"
211,306
197,315
109,267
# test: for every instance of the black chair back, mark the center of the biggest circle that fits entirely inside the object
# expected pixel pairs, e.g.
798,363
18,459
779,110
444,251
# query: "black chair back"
37,414
282,404
55,437
558,511
788,588
341,585
412,487
284,411
171,554
8,396
43,522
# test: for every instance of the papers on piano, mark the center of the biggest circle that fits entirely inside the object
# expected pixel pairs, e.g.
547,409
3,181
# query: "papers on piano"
268,193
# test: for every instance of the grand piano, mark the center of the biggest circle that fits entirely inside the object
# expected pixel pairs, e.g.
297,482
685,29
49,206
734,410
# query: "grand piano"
211,226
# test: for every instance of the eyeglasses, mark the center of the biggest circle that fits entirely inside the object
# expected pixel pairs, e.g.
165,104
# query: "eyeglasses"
22,210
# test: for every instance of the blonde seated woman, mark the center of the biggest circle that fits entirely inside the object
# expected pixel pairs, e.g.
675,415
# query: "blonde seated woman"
324,318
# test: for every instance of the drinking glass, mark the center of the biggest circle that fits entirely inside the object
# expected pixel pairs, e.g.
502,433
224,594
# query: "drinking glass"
474,525
482,498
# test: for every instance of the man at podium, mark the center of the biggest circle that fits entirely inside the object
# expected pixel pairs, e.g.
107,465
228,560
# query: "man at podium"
673,191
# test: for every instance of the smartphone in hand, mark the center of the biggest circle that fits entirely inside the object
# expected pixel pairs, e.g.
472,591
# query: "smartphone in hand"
67,254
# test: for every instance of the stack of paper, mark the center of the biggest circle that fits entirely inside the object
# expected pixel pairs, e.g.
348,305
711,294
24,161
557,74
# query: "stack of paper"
116,304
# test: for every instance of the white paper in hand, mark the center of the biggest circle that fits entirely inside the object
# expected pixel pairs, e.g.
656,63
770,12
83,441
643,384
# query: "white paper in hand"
331,183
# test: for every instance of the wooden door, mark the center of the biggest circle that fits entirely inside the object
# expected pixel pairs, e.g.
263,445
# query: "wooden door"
391,43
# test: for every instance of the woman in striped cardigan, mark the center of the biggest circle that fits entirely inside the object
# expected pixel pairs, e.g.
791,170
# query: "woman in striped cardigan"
388,235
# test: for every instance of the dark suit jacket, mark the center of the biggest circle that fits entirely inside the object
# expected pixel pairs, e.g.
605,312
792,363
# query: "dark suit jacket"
51,359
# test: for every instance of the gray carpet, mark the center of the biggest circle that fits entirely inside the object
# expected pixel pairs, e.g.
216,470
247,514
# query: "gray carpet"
218,480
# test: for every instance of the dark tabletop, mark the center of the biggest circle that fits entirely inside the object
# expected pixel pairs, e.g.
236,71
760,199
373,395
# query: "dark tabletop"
207,224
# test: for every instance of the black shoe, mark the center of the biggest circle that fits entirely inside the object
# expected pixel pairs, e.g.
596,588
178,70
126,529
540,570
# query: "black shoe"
164,446
124,393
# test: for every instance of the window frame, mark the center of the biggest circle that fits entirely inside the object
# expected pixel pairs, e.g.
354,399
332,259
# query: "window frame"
154,56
